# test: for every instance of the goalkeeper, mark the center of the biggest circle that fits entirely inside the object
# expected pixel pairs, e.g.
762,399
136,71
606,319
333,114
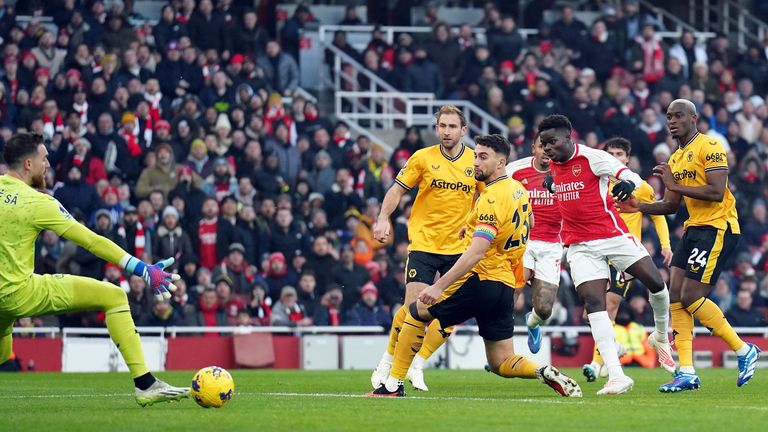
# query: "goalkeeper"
24,212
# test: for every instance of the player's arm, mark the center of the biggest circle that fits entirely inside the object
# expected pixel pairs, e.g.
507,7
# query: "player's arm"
50,214
667,205
408,177
605,165
714,190
388,206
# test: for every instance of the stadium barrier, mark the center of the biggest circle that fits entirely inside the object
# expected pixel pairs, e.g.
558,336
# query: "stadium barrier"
311,348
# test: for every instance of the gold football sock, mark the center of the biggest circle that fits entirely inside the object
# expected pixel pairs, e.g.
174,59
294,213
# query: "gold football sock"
517,366
397,324
682,331
712,318
408,344
434,339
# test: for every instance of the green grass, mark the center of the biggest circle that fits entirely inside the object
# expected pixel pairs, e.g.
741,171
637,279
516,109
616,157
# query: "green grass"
300,401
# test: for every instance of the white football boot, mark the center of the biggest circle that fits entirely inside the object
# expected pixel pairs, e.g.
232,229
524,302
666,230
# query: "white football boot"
160,391
616,386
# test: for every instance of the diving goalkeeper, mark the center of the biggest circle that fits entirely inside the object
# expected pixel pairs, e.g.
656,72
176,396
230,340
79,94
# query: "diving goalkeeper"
24,212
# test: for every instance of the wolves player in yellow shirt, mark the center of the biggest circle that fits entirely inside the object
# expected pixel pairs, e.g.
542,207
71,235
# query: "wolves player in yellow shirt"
697,172
621,149
24,212
446,183
482,281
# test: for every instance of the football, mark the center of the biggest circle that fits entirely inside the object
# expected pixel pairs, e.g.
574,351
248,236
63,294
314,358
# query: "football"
212,387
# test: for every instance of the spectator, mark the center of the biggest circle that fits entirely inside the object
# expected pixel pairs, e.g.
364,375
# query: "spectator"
424,76
213,235
138,241
118,36
90,264
368,311
260,308
288,311
599,50
248,35
292,30
507,44
349,275
743,313
211,313
75,194
280,70
162,314
48,55
139,298
170,239
162,176
688,53
569,30
648,55
286,236
332,311
230,303
238,271
168,29
447,55
208,30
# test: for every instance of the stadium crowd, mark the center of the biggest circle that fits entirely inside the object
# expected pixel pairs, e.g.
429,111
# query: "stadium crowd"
189,139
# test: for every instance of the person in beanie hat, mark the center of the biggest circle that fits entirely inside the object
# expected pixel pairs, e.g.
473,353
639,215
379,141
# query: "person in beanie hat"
368,311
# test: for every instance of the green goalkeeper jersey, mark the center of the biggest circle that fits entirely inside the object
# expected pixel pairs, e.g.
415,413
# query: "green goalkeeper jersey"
24,212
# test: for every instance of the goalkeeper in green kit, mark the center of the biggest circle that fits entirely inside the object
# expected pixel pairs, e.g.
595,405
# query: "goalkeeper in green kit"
24,212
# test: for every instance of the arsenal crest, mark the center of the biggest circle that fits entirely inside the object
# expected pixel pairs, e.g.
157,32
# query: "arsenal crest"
577,170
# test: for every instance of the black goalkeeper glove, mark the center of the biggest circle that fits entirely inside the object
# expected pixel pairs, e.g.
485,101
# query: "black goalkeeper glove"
549,183
623,190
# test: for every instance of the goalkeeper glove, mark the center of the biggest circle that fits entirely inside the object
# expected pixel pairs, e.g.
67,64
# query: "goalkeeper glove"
155,276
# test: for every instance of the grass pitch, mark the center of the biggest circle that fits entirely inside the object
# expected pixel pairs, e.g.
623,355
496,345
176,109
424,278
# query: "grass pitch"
271,400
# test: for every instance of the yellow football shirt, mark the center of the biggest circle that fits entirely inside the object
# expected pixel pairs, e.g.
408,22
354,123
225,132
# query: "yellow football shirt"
634,221
501,214
690,164
446,189
24,212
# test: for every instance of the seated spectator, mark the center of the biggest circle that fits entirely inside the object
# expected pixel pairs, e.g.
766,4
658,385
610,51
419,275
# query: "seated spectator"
744,313
139,297
170,239
280,69
331,311
288,311
75,194
183,302
234,266
162,176
260,306
349,275
231,304
211,313
368,311
162,314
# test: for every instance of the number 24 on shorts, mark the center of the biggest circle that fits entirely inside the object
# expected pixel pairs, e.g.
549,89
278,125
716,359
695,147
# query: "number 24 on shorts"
698,258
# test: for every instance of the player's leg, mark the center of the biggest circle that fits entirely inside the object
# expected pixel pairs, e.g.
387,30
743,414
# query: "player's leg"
590,273
591,371
67,293
631,257
715,246
6,339
495,319
544,258
436,335
418,268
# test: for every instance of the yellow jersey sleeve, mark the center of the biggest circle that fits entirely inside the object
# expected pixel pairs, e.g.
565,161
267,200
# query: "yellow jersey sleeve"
645,193
49,214
410,174
487,219
713,155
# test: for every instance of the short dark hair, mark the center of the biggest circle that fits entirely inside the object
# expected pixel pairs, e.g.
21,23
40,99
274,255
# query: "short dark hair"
497,142
556,121
20,147
619,143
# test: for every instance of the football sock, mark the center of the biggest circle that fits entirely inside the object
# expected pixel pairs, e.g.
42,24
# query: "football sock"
534,319
712,318
434,339
419,361
6,347
682,331
124,335
145,381
408,344
517,366
660,304
397,324
604,335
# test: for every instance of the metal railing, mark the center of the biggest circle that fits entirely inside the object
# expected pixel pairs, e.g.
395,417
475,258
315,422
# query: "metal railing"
733,18
176,331
383,106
